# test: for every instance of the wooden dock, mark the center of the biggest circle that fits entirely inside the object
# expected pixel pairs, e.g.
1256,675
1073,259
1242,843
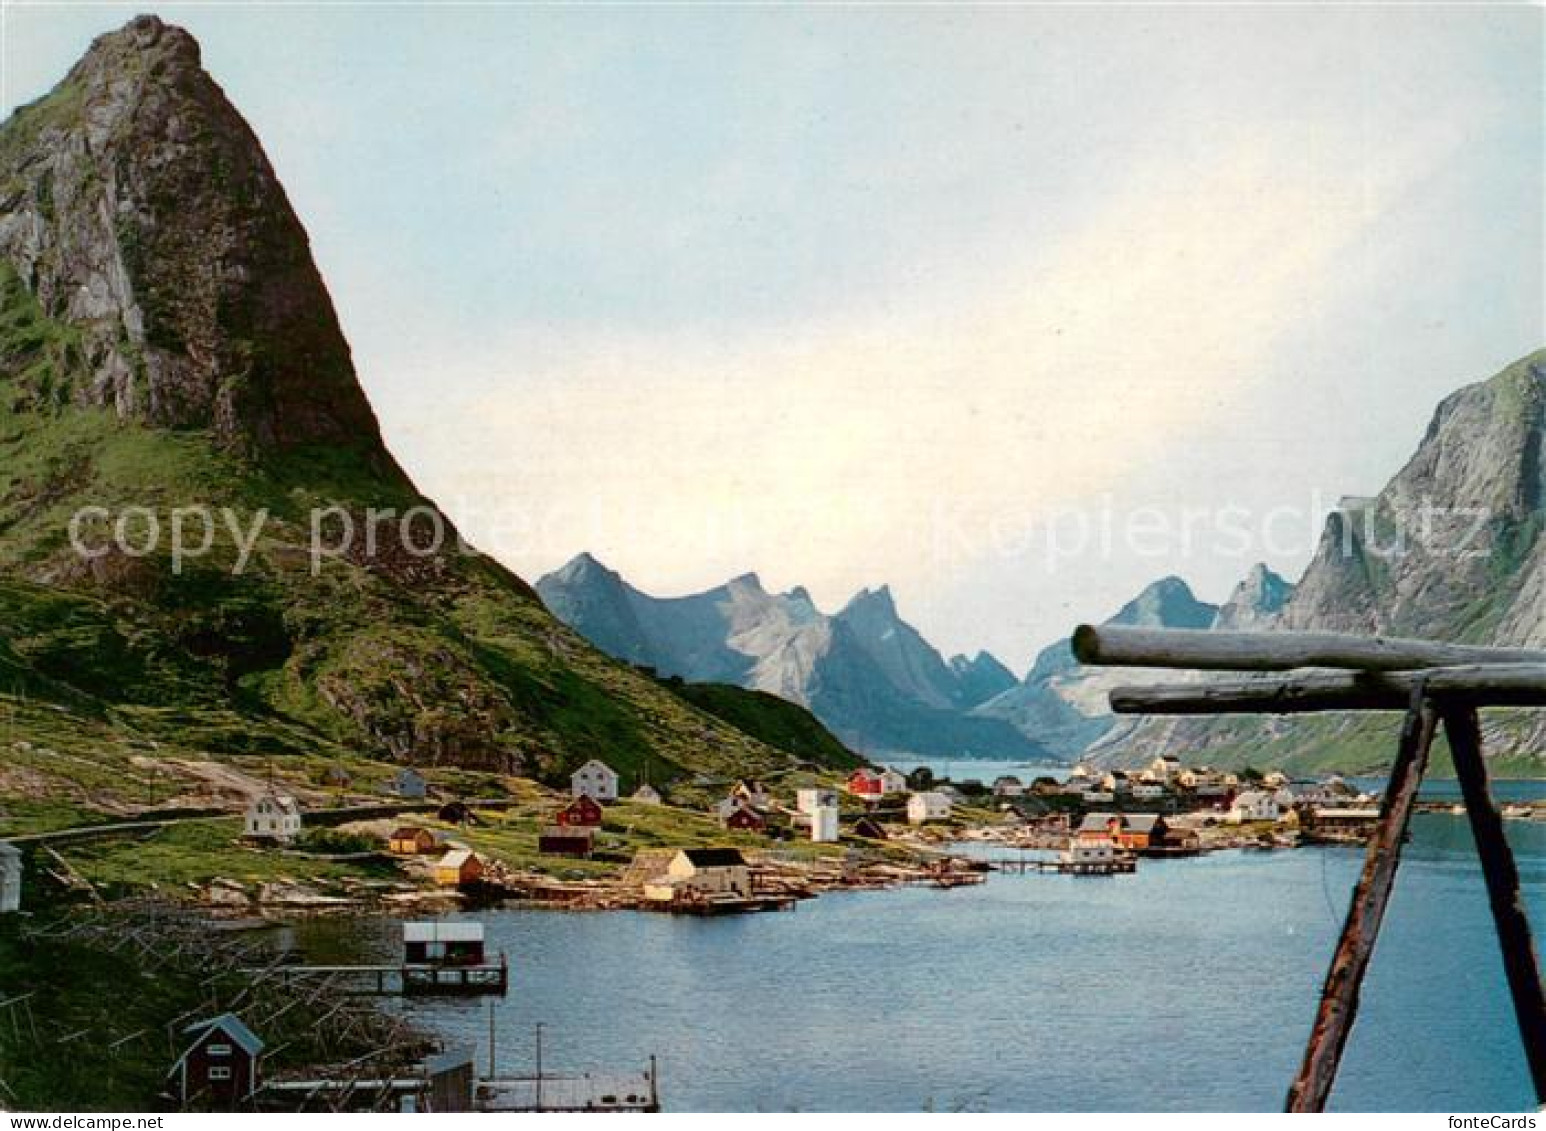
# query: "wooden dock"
1023,865
401,979
582,1092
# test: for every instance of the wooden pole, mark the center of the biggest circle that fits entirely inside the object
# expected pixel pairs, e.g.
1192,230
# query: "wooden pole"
1508,912
1339,997
1208,650
1497,685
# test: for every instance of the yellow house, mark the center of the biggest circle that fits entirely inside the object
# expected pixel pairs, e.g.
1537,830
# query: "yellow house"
458,867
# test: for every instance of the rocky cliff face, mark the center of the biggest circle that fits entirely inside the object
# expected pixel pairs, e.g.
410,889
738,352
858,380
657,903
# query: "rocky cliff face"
138,208
166,341
1451,549
864,671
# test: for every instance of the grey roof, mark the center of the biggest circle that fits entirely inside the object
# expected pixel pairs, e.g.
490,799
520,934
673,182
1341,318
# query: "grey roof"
233,1027
1143,822
1097,822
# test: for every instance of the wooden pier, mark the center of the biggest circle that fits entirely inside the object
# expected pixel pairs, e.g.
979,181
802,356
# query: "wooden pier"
1116,866
402,979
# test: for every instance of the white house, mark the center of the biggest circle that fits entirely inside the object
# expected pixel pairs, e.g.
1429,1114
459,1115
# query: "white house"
409,783
824,825
595,780
1253,805
807,801
1148,791
646,794
1165,767
274,817
1275,779
10,879
892,781
1007,785
930,806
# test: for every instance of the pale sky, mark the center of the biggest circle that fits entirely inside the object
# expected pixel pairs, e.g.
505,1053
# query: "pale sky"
858,295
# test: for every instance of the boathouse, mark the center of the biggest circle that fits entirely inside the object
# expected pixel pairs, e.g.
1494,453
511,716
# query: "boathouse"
220,1066
707,872
274,817
10,878
445,942
584,812
458,867
595,780
566,840
411,840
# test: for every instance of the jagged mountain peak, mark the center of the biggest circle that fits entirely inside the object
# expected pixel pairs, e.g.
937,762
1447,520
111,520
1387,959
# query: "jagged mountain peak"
1166,603
1256,601
140,211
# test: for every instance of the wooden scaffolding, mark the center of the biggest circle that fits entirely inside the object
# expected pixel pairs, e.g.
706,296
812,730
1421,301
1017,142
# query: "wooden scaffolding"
1435,685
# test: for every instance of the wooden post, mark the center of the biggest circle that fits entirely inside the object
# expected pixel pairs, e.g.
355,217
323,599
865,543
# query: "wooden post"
1508,913
1339,997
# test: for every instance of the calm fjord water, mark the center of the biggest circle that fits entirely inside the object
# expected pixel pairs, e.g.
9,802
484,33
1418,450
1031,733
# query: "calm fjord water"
1190,985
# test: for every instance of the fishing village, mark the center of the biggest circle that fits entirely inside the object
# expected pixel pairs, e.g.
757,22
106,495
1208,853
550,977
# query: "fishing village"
267,1026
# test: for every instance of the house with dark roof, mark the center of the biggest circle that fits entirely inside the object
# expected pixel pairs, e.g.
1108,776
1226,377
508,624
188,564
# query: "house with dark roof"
219,1068
707,873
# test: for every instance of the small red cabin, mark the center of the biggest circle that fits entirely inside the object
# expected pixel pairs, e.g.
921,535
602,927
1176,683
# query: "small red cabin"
584,812
862,783
562,840
745,819
219,1069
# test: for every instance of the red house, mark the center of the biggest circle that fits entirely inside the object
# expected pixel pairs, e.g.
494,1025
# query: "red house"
745,819
220,1067
584,812
565,840
862,783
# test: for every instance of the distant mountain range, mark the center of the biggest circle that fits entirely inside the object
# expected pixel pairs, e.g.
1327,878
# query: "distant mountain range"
864,671
1064,704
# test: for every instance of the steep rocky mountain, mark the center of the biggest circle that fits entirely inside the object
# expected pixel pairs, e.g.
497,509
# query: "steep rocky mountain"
1451,549
1256,602
1063,703
864,671
980,678
166,343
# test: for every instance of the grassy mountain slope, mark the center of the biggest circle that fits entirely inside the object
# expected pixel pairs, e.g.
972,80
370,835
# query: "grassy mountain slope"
205,369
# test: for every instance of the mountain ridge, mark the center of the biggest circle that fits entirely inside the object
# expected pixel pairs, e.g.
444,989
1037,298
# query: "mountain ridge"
866,672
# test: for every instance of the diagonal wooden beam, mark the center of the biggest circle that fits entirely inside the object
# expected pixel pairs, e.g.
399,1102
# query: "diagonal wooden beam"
1339,996
1508,912
1491,685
